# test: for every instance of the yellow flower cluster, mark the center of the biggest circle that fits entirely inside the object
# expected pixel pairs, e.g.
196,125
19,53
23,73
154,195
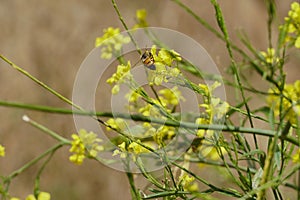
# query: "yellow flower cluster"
82,142
141,19
162,134
188,183
121,75
165,57
270,56
296,157
290,102
214,111
133,149
2,151
41,196
117,124
292,25
164,61
111,42
171,96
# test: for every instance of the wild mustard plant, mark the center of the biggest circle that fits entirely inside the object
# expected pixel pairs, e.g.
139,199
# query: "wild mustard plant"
214,141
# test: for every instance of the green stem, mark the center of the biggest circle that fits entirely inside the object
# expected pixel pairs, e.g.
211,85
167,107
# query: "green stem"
213,187
24,72
38,176
32,162
221,22
138,117
46,130
125,26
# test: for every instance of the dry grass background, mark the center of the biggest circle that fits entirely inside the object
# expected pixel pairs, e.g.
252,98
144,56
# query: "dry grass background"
50,39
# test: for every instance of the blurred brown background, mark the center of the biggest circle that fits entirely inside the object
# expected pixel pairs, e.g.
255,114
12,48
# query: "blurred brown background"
50,39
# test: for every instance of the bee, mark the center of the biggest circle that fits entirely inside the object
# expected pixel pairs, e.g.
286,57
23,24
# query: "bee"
148,60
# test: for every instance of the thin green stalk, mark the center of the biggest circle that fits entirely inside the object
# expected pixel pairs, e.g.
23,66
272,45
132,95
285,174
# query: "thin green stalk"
199,19
46,130
125,26
38,176
221,23
267,167
24,72
220,36
166,194
271,15
134,192
138,117
213,187
147,175
32,162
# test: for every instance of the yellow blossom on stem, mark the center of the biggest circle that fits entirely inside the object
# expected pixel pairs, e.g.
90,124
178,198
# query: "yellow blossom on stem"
172,96
164,71
121,75
77,149
121,151
2,151
164,56
132,96
137,148
84,141
162,134
292,24
141,19
41,196
116,123
111,42
187,182
296,157
214,111
270,56
290,102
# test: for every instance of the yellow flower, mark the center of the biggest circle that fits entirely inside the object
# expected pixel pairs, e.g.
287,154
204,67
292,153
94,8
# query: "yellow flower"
150,110
41,196
121,75
291,26
116,123
162,134
122,150
136,148
132,96
2,151
171,96
78,149
111,42
82,142
290,102
297,42
164,60
44,196
270,56
164,56
215,109
187,182
141,19
296,157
